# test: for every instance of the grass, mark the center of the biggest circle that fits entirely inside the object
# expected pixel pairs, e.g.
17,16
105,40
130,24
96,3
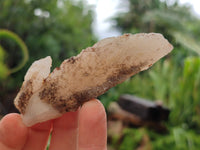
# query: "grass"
178,87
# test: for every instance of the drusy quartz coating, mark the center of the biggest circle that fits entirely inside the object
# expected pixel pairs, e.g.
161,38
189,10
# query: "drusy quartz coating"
44,95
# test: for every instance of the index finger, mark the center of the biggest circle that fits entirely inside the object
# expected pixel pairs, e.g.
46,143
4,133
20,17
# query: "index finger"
65,132
92,126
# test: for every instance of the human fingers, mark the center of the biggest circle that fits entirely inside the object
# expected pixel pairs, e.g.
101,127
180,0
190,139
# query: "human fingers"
92,126
65,132
13,133
38,136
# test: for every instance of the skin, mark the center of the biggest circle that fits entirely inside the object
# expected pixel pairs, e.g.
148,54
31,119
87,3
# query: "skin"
84,129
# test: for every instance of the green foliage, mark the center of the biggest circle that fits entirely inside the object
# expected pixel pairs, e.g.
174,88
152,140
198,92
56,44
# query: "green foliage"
5,70
132,139
61,28
178,138
176,22
188,96
3,67
176,79
58,28
179,90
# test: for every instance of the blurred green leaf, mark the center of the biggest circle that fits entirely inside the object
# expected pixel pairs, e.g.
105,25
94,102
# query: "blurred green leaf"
3,68
188,41
59,28
23,48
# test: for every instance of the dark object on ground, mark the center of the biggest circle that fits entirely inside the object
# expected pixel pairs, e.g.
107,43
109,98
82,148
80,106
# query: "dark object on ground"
127,119
144,109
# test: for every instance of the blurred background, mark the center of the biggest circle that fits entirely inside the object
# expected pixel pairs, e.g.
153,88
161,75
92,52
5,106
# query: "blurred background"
33,29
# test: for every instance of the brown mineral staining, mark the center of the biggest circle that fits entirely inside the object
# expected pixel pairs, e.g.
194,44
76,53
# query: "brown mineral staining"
125,35
71,104
71,60
98,68
90,74
65,105
49,92
57,68
27,92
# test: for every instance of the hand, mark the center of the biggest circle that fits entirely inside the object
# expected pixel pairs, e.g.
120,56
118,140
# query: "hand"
84,129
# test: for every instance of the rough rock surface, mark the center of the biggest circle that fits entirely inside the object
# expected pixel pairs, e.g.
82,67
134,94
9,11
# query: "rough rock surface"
87,75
